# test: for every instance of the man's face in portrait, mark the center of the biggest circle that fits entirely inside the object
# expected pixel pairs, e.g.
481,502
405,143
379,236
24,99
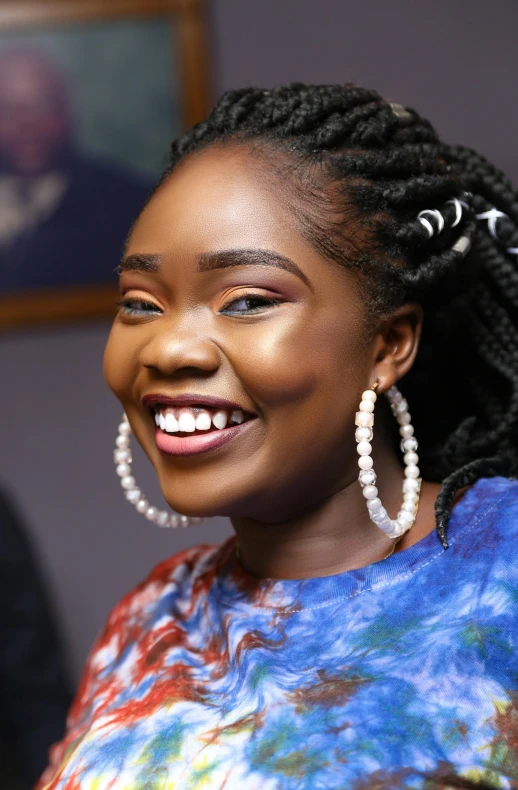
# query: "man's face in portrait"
34,115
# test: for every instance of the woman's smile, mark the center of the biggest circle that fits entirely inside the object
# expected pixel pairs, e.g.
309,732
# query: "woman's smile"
189,424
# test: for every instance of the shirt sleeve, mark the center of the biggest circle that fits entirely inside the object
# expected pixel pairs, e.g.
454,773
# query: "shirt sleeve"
103,676
95,693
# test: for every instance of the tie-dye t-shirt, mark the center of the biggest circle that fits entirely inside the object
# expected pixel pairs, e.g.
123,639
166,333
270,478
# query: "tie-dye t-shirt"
403,674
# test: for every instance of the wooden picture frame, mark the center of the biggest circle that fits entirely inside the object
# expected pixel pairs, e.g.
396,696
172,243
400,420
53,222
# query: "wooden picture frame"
186,20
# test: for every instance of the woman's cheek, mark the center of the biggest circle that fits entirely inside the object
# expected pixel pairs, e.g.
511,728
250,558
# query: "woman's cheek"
120,362
283,363
270,363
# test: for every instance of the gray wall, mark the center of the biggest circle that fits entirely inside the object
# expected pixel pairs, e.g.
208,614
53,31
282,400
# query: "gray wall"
456,61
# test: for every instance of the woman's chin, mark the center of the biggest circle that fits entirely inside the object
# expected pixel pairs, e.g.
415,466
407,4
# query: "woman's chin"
198,507
211,496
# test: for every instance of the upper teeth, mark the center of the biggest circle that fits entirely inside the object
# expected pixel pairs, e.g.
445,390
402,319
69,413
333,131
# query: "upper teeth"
187,420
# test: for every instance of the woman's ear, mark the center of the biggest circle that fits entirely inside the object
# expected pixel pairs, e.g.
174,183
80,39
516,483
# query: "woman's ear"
396,345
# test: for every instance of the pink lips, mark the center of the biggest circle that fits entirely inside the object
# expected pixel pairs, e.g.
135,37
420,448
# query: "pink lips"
191,399
200,443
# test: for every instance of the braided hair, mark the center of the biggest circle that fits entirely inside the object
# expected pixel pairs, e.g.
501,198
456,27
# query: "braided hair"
360,172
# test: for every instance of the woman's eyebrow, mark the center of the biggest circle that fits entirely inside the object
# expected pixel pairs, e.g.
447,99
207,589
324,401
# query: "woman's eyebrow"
139,263
223,259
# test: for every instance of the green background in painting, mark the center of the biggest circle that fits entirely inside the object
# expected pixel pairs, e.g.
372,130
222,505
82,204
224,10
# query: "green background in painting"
124,87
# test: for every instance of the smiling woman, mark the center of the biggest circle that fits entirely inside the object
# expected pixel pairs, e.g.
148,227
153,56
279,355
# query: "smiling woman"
308,248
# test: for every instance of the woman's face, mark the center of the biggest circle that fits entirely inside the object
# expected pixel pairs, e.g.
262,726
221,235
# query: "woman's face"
223,298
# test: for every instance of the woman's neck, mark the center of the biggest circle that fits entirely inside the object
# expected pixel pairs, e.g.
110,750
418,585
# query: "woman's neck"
334,535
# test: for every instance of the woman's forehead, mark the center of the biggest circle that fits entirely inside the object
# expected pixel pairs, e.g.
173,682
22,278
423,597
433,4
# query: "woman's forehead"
218,198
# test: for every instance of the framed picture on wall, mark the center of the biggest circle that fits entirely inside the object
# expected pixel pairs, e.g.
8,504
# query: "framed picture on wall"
92,92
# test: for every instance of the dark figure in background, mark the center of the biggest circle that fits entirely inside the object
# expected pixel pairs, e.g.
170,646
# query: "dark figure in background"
63,216
34,692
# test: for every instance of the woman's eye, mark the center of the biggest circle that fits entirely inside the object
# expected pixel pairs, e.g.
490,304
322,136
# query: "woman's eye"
249,303
137,307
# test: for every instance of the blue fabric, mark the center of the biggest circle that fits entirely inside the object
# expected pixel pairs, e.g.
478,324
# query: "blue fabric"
403,674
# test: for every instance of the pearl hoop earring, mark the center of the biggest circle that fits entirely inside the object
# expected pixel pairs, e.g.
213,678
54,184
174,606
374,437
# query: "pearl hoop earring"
123,460
412,485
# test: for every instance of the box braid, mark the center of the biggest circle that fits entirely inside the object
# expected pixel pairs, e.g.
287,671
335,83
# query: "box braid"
363,171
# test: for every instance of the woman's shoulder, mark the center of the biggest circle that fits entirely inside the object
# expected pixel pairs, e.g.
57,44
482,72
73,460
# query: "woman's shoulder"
485,522
493,500
176,576
170,584
187,563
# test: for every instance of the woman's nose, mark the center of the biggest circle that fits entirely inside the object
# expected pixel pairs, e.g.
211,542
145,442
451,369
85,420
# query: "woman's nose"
172,351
